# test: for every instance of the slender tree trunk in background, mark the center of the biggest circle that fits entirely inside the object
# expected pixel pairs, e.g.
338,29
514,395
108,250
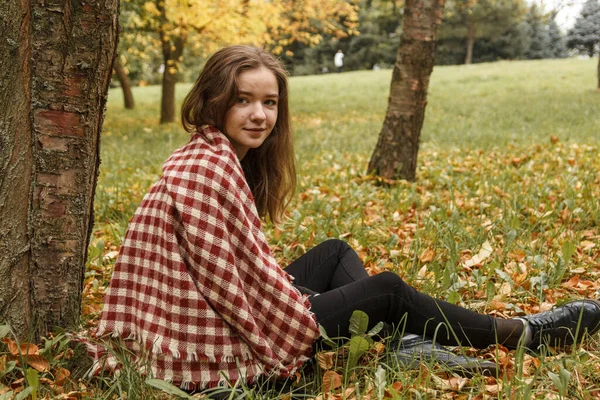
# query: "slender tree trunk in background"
598,71
471,31
125,85
55,65
172,49
167,102
171,58
395,156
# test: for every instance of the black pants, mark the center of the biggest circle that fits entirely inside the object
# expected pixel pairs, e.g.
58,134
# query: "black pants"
334,270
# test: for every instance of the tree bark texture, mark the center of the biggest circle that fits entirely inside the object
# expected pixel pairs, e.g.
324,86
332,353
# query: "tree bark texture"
55,75
125,85
395,156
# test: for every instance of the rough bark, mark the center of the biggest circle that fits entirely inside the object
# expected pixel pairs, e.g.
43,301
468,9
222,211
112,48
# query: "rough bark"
56,73
395,156
16,164
125,85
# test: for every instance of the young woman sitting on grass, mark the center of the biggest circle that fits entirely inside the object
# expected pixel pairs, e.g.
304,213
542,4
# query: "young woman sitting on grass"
196,286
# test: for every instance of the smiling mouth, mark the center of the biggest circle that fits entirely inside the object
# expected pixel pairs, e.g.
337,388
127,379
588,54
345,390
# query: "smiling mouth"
255,130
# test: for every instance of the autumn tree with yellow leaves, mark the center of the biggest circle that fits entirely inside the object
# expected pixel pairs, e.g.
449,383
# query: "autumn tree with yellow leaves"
180,27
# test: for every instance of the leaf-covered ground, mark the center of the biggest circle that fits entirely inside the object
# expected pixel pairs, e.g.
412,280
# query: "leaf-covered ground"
503,219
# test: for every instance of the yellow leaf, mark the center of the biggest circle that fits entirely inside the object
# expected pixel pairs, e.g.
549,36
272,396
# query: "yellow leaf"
426,256
485,251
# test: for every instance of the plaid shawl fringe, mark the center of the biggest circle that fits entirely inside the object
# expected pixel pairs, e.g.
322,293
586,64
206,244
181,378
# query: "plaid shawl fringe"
195,284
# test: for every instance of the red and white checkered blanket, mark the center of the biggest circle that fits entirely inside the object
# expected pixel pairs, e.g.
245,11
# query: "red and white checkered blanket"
195,283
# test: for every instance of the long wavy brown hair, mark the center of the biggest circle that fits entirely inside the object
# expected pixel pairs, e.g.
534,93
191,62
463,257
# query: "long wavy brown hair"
270,169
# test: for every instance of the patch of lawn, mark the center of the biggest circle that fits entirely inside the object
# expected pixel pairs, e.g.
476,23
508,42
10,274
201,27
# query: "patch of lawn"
508,175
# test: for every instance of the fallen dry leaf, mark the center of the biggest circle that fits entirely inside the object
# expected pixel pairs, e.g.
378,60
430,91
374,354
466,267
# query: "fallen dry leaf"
37,362
22,349
60,375
426,256
485,251
331,381
325,359
453,383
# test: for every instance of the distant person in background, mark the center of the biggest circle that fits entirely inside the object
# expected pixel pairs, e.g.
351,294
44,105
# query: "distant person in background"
338,60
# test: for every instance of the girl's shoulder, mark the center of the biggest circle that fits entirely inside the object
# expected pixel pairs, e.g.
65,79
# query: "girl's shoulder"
207,145
207,156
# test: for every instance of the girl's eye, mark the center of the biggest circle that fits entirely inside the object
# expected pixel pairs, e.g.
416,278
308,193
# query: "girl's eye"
242,100
271,102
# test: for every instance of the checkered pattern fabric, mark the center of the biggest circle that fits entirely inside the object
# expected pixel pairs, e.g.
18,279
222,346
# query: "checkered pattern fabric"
195,284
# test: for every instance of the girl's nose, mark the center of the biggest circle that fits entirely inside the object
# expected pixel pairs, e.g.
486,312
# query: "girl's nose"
257,113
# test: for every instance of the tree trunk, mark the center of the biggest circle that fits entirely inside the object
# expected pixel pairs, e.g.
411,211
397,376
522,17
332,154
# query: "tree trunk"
395,156
598,71
55,74
171,54
16,165
124,82
167,101
172,48
471,31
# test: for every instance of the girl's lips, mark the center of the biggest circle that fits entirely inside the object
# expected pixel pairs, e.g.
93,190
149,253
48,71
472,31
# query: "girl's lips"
255,130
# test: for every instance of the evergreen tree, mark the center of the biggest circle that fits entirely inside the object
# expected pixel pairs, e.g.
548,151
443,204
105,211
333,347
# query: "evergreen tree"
476,23
558,45
585,34
539,45
509,45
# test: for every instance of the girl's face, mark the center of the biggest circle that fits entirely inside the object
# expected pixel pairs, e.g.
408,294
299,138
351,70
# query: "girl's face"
251,119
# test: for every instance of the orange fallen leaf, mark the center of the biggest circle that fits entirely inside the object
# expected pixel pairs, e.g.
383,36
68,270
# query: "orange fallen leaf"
426,256
397,387
331,381
37,362
325,359
23,349
29,348
17,383
517,255
60,375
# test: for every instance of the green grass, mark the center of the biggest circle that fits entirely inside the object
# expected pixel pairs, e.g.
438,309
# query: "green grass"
488,172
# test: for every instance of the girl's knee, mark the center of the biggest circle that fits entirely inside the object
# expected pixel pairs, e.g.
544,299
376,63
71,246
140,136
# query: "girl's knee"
339,244
389,280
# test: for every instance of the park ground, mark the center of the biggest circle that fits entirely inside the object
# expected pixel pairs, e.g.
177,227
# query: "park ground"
503,219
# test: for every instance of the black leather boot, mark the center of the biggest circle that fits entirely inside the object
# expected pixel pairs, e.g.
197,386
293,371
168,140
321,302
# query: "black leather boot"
412,350
565,324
